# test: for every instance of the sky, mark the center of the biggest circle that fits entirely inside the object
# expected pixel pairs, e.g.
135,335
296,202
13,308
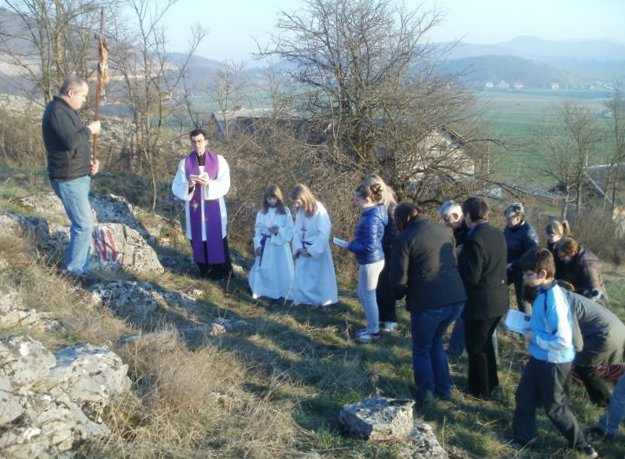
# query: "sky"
232,25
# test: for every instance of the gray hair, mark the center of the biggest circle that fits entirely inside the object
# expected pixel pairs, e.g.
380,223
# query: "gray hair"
450,207
73,83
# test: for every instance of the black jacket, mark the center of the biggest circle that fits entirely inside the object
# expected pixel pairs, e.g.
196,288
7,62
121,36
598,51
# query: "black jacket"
67,141
519,240
424,268
584,271
482,265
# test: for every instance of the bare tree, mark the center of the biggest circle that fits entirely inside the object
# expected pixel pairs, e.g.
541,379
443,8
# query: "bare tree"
367,70
148,83
616,109
44,41
569,143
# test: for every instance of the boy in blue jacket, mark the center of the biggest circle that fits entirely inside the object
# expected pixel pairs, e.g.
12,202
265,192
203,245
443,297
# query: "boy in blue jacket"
551,351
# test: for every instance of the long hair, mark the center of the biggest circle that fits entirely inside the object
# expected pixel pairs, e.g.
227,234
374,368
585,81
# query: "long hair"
558,228
388,195
404,212
568,246
274,191
375,192
301,191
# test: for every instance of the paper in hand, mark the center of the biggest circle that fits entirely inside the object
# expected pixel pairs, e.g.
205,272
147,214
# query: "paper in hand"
517,321
340,242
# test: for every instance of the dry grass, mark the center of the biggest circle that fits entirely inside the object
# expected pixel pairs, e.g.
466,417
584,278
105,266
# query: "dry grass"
272,388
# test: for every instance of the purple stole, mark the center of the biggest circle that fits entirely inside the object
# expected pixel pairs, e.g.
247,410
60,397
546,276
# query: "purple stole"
215,252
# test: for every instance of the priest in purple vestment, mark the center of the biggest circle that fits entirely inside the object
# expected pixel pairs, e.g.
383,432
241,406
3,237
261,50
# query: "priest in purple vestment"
202,180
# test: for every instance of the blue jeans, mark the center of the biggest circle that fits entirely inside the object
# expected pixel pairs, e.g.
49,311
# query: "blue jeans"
74,194
610,421
367,282
455,346
429,360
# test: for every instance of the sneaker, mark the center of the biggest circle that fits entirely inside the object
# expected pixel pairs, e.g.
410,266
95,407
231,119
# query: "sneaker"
587,450
390,326
367,337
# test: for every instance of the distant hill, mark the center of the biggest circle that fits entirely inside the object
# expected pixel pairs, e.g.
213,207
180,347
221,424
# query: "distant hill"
537,63
535,48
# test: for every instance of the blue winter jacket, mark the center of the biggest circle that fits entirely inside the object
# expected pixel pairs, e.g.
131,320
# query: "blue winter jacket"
367,242
551,325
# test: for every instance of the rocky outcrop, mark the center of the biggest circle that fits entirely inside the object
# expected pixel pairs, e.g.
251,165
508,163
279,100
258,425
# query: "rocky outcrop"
378,419
49,402
384,419
114,245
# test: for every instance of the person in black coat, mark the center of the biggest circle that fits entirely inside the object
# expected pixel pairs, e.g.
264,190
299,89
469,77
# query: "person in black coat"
520,237
451,214
424,269
583,269
482,266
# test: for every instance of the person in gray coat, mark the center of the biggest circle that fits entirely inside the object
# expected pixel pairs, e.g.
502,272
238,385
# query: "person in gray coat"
603,336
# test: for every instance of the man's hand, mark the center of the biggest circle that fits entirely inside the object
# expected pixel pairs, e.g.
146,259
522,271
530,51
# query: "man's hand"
95,166
94,127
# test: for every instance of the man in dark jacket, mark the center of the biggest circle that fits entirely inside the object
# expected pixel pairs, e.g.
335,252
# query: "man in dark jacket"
70,166
451,214
424,269
482,265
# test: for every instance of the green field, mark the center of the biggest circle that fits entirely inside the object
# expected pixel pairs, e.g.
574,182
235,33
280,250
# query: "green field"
515,117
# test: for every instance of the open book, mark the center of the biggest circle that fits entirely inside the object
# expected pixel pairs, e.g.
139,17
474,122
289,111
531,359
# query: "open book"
517,321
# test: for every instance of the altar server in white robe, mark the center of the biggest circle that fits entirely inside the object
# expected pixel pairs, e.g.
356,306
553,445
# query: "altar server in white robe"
314,282
272,273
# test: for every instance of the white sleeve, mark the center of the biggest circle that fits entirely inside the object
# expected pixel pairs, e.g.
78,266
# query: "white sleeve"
285,233
180,185
219,187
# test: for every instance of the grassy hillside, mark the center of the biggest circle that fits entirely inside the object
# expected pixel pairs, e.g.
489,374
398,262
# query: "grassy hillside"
272,388
515,119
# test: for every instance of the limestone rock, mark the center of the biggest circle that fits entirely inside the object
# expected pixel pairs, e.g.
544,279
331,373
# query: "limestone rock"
140,300
13,314
90,373
378,418
116,246
50,403
10,408
425,443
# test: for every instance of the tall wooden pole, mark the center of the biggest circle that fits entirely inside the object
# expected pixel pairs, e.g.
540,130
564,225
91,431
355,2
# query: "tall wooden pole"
101,78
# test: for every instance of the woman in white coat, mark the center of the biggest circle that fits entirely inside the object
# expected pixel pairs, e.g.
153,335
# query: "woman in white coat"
314,282
272,273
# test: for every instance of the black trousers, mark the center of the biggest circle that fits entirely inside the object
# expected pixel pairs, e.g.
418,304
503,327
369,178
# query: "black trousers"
517,279
385,295
543,385
217,271
482,358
